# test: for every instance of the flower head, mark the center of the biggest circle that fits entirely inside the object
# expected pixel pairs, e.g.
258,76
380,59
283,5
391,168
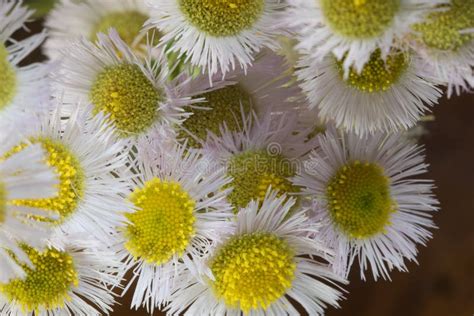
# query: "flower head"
386,95
264,88
353,30
133,93
71,20
264,153
257,270
179,213
216,35
74,276
23,90
87,158
367,196
445,40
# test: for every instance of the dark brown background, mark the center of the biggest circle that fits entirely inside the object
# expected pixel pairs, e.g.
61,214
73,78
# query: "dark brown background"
443,282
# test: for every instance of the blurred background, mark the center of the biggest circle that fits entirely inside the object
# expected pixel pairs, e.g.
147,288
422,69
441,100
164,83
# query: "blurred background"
442,283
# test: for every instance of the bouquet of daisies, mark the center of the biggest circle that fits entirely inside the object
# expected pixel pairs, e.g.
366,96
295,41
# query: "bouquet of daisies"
217,157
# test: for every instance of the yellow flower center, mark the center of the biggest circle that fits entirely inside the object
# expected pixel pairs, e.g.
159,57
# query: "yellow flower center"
359,19
442,29
359,200
71,179
164,224
253,172
222,17
47,285
225,104
127,23
128,96
377,75
3,202
252,271
8,80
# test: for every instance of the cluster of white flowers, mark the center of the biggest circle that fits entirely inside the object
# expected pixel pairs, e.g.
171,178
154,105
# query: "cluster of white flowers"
217,157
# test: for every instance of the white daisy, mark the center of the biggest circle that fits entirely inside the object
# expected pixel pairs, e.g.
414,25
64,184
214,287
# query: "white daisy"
216,35
353,29
133,92
263,268
22,175
264,153
71,279
88,159
181,211
71,20
264,88
369,199
445,41
22,89
385,96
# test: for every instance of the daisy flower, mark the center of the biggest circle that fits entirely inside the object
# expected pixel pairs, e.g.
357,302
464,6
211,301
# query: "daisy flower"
354,29
71,20
88,160
371,203
180,211
263,268
445,41
387,95
264,88
71,279
264,153
23,175
22,89
133,93
216,35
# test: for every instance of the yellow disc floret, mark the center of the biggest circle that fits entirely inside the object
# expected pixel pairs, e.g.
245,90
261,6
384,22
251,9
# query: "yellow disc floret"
359,200
125,93
127,23
3,202
359,19
47,284
443,29
71,179
222,17
377,75
253,270
163,226
253,172
226,106
8,80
